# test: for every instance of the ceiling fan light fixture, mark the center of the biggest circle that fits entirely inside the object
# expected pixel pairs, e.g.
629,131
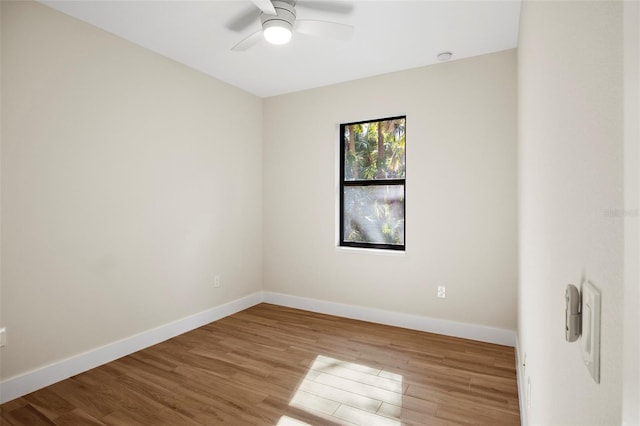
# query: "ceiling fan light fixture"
277,29
277,32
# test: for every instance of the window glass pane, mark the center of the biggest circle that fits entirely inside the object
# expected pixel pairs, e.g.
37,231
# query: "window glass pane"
374,150
374,214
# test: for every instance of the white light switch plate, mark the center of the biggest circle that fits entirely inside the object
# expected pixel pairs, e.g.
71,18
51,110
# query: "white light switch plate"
3,336
590,340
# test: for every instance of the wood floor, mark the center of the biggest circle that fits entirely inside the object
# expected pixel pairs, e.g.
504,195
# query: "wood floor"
270,365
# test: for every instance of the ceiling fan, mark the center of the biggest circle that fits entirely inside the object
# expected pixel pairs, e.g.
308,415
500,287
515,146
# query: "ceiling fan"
278,22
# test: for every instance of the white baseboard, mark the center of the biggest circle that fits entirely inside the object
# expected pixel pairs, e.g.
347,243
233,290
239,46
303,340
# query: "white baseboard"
29,382
520,377
414,322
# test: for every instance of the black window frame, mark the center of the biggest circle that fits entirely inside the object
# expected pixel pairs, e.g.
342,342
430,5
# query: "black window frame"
370,182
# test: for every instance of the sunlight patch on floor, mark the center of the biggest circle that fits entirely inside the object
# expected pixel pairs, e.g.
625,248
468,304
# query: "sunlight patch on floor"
347,393
288,421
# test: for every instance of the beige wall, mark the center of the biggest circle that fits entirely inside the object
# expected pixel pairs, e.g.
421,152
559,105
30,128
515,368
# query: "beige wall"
1,363
128,182
631,372
570,78
461,193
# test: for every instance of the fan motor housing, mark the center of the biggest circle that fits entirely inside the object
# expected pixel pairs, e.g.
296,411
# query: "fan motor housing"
286,16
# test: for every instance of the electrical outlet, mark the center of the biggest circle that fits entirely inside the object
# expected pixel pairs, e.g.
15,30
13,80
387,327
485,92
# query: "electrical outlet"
3,336
216,281
441,292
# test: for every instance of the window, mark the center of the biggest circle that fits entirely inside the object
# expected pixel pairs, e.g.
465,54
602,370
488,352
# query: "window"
372,184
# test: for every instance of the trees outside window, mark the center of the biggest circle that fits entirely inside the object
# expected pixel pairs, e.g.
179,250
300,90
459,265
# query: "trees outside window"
372,183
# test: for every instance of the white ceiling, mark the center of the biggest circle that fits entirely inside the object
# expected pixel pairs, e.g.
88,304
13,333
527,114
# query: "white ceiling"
389,36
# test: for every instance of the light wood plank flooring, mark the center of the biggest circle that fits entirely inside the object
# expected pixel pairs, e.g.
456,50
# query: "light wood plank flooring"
270,365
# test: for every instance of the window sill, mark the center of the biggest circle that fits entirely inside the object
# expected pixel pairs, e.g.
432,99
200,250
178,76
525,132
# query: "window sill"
371,251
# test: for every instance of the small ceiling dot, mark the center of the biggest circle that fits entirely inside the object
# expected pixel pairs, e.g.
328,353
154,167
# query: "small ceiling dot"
444,56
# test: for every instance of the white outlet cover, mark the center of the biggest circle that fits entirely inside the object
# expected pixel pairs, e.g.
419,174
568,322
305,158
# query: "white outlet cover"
3,336
590,339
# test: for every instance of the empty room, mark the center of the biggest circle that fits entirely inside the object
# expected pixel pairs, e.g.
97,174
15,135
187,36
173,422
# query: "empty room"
358,212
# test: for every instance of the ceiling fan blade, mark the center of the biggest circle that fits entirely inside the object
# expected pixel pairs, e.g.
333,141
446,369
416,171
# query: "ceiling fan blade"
248,42
325,29
341,7
244,19
265,6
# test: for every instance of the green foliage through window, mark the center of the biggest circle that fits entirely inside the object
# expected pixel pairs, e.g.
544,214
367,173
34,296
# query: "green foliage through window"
372,175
